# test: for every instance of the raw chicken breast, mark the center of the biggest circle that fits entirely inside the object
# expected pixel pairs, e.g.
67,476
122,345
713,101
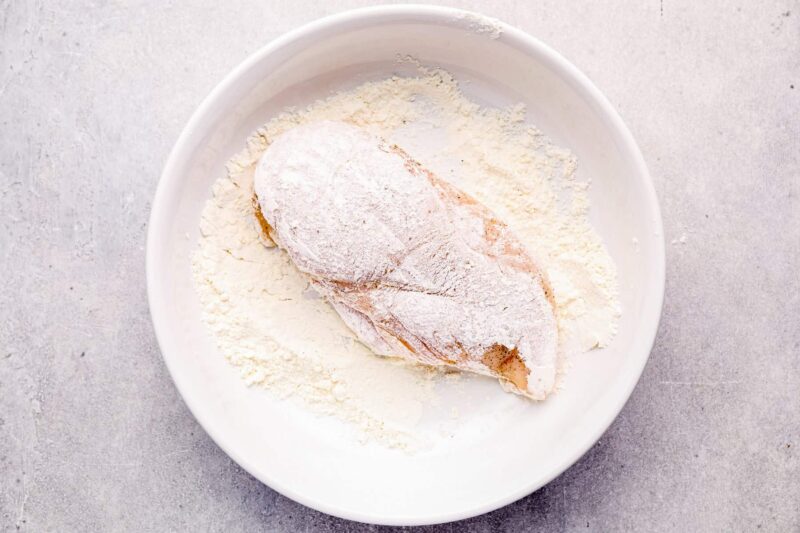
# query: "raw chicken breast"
415,267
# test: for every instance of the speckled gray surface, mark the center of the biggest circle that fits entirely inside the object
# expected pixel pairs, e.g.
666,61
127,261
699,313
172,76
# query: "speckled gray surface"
93,434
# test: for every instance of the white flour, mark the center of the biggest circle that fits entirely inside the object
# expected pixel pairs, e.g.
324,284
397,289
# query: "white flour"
281,335
482,25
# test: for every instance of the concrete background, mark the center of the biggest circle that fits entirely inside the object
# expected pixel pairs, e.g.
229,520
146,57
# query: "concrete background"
93,435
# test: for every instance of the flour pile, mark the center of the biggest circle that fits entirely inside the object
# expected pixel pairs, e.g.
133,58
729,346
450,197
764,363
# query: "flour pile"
280,334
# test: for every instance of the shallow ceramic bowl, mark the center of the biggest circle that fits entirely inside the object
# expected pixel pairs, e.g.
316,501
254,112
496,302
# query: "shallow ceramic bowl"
511,447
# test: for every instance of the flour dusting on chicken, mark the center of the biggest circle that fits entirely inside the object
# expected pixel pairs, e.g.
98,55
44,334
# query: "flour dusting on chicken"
416,267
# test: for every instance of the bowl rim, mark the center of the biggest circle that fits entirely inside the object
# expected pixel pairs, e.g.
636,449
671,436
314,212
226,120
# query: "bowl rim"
192,133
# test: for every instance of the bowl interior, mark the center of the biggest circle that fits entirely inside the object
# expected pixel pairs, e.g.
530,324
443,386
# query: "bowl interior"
503,448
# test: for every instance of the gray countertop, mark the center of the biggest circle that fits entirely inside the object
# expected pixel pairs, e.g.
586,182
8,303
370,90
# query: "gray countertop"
93,434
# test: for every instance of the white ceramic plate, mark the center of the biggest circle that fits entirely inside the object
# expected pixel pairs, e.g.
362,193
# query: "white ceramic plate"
507,449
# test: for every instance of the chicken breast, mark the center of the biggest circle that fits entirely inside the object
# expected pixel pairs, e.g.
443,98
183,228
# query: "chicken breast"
415,267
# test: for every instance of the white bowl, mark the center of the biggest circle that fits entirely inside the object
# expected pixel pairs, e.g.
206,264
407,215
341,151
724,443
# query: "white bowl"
306,458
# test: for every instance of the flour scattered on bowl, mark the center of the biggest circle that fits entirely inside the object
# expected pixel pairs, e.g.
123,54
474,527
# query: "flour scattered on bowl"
270,325
482,25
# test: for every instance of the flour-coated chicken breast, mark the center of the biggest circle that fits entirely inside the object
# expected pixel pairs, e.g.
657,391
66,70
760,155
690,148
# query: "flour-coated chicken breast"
415,267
